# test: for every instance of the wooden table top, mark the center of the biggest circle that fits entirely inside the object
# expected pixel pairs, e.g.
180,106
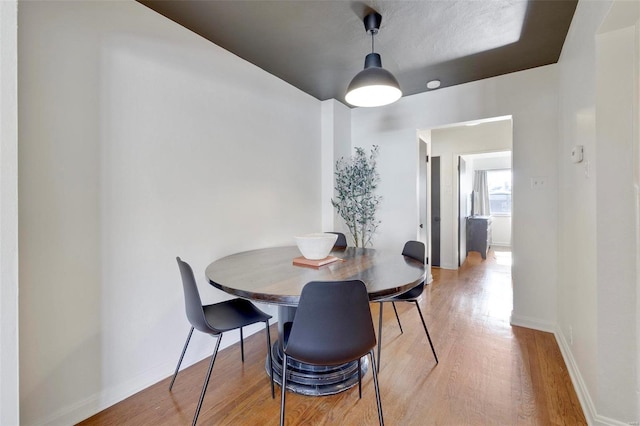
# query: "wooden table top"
269,275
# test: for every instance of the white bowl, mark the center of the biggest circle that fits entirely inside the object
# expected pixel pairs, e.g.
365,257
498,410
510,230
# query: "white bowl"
316,246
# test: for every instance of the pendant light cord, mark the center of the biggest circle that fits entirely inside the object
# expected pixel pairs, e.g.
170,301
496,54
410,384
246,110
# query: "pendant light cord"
372,36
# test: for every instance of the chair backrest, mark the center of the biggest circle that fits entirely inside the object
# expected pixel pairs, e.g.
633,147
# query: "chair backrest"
415,250
341,241
332,324
192,301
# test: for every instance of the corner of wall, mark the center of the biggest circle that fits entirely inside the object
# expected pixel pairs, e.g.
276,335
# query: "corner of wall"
9,352
336,142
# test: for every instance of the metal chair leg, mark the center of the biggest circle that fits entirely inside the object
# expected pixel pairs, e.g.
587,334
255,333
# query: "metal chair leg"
283,387
426,331
360,378
397,317
375,384
270,358
184,349
241,344
206,380
379,334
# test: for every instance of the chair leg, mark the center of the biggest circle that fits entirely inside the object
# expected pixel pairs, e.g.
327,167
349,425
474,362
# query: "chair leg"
241,344
360,377
379,334
273,392
375,384
283,388
206,380
424,324
184,350
397,317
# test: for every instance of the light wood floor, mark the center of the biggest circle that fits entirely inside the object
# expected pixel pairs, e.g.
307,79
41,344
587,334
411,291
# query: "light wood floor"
490,373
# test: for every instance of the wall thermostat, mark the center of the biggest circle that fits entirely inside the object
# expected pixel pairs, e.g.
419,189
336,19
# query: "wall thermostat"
577,153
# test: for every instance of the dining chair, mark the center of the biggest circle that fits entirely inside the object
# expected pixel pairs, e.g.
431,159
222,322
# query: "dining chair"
332,326
414,250
341,241
215,320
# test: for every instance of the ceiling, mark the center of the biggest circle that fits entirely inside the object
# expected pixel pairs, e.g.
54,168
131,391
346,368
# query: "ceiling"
318,46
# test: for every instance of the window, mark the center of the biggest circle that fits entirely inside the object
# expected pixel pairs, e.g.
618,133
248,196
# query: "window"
499,183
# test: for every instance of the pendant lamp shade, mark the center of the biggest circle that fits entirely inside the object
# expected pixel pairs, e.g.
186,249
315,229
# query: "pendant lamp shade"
373,86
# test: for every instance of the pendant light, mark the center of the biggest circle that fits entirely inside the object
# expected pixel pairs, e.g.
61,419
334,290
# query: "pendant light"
373,86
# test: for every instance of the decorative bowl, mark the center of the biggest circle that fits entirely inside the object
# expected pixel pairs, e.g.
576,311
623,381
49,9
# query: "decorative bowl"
317,245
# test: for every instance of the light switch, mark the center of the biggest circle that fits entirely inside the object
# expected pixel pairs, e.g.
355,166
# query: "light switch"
538,183
577,153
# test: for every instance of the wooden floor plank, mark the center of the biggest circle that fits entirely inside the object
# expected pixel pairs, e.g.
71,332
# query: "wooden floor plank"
490,373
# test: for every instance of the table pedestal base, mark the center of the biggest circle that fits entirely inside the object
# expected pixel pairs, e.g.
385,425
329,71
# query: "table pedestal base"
316,380
307,379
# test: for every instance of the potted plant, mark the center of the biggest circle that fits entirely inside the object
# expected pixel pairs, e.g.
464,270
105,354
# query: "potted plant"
355,201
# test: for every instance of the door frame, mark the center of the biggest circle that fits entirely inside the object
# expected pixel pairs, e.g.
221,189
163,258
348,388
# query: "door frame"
423,232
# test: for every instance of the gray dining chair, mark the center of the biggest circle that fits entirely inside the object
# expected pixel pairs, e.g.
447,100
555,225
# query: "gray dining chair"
215,320
332,326
414,250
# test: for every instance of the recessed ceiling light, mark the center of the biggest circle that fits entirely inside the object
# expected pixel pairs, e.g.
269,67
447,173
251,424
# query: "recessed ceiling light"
433,84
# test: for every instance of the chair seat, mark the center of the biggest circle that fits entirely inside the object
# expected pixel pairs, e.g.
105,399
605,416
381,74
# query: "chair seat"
233,314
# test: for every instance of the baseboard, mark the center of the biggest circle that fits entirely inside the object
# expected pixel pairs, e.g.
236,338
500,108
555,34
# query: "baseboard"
576,378
501,245
83,409
588,408
72,413
533,323
448,266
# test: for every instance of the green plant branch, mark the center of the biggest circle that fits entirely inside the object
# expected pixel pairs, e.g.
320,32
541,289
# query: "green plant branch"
356,180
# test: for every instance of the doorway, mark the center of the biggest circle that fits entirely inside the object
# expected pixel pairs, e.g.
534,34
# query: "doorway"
450,147
494,169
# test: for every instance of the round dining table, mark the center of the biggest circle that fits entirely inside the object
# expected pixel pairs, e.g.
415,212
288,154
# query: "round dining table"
269,275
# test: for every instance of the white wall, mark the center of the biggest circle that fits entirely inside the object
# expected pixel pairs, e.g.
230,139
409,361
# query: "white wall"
531,98
597,212
448,143
615,216
139,142
9,363
336,143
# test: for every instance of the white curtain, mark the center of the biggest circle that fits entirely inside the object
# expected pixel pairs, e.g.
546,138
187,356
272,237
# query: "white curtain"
480,193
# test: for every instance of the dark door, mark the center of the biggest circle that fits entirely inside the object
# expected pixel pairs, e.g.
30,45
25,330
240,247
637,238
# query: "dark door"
435,211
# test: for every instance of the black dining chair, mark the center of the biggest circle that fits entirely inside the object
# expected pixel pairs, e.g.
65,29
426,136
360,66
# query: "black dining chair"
341,241
215,320
414,250
332,326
